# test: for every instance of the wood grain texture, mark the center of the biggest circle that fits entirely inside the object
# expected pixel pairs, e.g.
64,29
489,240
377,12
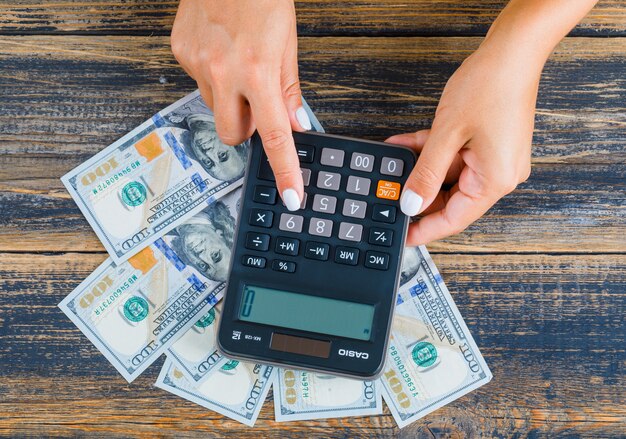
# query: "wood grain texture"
315,17
65,98
550,328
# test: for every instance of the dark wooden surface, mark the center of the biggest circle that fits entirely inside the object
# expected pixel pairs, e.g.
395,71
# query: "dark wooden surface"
540,280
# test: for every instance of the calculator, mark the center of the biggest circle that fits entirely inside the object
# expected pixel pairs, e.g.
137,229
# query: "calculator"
315,289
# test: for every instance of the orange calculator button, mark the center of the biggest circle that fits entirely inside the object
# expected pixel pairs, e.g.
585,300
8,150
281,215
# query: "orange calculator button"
388,190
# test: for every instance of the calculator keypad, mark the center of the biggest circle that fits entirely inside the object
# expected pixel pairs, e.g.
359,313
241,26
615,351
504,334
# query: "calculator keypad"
342,210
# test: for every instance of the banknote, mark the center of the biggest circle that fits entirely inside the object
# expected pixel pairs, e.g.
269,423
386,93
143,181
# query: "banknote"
236,389
154,177
432,358
302,395
195,353
132,312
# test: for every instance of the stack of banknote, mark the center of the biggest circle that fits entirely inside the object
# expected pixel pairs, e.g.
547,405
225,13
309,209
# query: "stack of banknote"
164,201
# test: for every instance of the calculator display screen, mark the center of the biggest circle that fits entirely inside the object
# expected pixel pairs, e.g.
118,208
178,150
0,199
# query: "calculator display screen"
306,313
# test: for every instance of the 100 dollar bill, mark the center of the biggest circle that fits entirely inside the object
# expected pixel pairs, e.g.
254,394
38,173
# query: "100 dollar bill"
195,353
155,177
302,395
237,389
132,312
432,358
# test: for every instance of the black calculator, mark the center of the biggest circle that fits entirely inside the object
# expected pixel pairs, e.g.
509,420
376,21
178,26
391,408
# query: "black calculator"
315,289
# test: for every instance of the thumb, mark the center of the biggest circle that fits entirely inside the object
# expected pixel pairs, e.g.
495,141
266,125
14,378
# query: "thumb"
424,182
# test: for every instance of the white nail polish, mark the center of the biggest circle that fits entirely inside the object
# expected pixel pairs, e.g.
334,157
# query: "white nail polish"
291,199
303,118
410,202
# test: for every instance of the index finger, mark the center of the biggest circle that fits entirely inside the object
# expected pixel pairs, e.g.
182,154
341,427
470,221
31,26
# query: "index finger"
274,127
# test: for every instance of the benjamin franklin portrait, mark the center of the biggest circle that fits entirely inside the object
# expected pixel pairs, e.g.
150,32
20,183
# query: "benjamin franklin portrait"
221,161
410,264
206,240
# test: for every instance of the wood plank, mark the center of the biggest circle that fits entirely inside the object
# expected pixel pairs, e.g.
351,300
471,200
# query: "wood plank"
549,327
315,17
71,96
573,208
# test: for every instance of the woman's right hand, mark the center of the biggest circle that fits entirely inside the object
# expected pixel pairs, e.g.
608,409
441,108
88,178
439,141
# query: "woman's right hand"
243,55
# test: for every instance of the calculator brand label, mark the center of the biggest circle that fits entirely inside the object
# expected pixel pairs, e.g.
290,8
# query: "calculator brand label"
353,354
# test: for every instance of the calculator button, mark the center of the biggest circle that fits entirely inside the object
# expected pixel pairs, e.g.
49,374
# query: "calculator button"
377,260
287,246
362,162
350,232
354,208
358,185
284,266
391,166
328,180
305,153
384,213
291,223
316,250
320,227
347,255
264,194
388,190
253,261
324,203
265,170
380,236
303,203
306,176
257,241
261,218
332,157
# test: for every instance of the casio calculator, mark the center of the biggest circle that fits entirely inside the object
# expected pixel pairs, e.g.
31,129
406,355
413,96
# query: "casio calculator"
315,289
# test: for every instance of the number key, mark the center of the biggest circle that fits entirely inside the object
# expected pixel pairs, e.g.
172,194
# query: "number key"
358,185
354,208
391,166
324,203
350,232
291,223
328,180
320,227
362,162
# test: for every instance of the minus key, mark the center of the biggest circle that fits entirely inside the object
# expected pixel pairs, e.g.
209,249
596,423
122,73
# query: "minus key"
265,194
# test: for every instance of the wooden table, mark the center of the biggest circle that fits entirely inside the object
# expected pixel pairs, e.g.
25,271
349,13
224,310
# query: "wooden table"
540,280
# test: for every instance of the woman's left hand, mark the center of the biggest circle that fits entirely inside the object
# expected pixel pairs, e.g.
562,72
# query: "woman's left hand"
478,148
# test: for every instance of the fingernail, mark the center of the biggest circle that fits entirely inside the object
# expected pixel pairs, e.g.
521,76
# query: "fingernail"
410,202
303,118
291,199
